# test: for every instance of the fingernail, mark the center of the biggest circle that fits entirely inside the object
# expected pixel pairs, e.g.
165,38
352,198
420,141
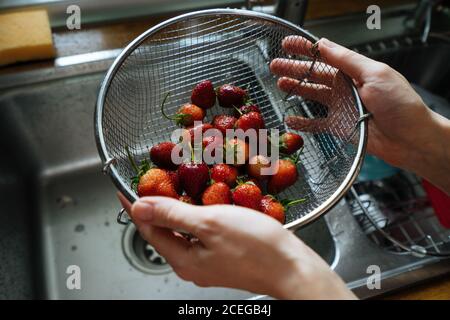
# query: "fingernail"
327,43
142,210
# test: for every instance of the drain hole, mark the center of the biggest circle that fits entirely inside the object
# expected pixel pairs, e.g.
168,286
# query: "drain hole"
142,255
152,255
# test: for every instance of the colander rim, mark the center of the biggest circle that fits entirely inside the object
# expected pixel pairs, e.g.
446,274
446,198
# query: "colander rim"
125,189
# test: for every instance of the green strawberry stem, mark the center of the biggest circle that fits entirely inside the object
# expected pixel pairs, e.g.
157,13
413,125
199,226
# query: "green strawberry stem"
131,159
192,152
271,141
237,109
248,101
162,107
297,157
293,202
178,118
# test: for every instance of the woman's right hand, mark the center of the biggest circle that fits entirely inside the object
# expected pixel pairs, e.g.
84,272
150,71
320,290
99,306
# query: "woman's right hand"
403,130
237,247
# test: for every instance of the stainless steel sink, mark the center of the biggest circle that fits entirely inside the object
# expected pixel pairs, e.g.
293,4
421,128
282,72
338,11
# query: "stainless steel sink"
70,207
58,210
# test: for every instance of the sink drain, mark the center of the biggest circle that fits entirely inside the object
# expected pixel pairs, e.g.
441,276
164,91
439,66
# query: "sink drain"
141,255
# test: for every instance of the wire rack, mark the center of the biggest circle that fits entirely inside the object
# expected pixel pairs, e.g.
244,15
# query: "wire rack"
396,214
230,46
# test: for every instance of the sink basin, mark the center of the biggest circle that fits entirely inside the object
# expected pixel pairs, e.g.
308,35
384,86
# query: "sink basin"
60,210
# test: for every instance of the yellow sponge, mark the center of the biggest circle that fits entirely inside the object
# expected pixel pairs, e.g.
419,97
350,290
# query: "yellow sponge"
25,36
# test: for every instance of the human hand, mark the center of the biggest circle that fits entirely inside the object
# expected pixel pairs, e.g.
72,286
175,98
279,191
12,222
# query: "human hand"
403,131
236,247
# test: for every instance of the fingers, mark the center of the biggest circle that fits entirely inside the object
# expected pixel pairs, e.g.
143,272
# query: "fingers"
305,124
310,91
297,45
167,213
350,62
320,73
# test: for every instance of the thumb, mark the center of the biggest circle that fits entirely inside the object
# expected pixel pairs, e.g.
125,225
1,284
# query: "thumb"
350,62
167,213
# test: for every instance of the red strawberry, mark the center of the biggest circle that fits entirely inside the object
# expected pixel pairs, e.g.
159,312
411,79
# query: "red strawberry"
277,209
175,181
198,130
193,178
256,164
206,141
156,182
286,175
187,199
237,150
204,95
290,142
161,155
246,109
217,193
186,115
251,120
247,195
230,96
223,122
214,141
270,206
224,173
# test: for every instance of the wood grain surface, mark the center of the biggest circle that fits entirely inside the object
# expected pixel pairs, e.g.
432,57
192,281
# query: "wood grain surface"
438,289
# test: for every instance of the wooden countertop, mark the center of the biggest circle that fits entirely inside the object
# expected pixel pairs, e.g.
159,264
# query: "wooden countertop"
438,289
119,34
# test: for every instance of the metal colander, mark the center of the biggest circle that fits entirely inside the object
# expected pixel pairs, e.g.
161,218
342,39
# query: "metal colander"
232,46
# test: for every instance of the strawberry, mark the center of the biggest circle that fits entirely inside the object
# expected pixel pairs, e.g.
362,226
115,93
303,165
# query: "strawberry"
238,150
193,178
255,164
270,206
246,109
186,115
290,142
277,209
229,96
215,142
187,199
247,195
198,130
251,120
204,95
223,122
161,155
156,182
217,193
175,180
286,175
224,173
206,141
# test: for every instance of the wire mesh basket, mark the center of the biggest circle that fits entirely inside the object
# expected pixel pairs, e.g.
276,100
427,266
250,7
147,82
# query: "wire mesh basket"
232,46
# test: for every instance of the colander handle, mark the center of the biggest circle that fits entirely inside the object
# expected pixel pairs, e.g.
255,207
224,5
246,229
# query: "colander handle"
123,217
